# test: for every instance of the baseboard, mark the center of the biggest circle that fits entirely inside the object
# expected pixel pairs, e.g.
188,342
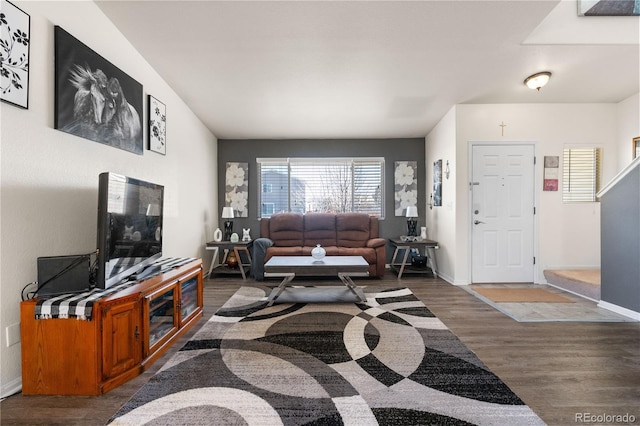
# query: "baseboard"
11,388
620,310
451,280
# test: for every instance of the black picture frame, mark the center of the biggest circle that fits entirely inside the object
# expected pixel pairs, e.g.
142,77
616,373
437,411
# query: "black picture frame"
437,183
157,125
95,99
15,42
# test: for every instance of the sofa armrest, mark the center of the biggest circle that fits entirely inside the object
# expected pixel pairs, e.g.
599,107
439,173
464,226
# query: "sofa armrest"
376,242
259,248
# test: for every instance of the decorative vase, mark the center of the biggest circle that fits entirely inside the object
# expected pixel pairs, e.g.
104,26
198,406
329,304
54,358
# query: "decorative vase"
232,260
217,235
423,232
318,252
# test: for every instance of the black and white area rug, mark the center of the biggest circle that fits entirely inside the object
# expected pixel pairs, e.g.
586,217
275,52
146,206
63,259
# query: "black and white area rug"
389,361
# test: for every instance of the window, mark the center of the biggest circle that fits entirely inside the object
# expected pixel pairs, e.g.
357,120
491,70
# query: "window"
321,185
267,187
580,174
267,209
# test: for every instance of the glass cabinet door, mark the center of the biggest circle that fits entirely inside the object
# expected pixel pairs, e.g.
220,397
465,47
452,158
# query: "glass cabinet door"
189,297
161,315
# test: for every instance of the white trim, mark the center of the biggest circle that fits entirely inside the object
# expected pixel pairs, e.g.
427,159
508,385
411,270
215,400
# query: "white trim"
11,388
448,279
572,292
619,177
620,310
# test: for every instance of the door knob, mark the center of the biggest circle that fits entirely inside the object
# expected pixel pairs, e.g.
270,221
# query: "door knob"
477,222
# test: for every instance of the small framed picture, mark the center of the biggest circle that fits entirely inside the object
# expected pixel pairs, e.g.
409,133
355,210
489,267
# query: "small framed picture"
157,126
16,34
636,147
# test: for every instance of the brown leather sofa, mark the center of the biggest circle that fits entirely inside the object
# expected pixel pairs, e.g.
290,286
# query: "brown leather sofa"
341,234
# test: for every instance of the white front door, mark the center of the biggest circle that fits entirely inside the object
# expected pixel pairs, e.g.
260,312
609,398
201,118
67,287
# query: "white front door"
502,213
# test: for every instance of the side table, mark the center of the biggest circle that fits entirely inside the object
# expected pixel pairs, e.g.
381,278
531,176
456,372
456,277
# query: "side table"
427,246
238,247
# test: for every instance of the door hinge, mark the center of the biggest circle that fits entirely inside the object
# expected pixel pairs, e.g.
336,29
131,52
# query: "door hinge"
534,260
534,210
534,160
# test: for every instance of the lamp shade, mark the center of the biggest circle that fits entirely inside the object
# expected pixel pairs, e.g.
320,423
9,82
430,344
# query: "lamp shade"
412,211
227,212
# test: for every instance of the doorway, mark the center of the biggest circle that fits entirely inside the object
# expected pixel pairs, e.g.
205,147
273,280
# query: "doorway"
502,213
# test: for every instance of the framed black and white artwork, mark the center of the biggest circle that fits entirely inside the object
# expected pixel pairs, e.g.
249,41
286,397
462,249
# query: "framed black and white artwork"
94,99
405,186
157,126
15,41
437,183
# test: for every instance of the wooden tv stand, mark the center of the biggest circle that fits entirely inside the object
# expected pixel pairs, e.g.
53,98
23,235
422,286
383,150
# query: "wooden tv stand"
128,331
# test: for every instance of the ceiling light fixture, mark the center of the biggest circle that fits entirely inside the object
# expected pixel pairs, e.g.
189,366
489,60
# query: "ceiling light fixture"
538,80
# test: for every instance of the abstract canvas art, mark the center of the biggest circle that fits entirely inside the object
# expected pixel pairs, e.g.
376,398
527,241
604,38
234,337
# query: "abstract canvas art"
437,183
551,172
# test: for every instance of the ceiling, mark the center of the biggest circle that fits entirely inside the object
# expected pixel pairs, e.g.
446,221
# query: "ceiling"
373,69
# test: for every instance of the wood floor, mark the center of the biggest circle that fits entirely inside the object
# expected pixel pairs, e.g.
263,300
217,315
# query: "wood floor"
559,369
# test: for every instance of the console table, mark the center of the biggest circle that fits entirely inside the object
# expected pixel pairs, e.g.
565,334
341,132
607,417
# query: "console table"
428,247
124,331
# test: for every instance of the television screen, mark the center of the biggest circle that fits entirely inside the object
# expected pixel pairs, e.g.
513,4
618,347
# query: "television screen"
129,227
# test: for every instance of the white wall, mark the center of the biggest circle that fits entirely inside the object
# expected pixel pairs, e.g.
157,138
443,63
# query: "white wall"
569,234
49,179
628,127
441,221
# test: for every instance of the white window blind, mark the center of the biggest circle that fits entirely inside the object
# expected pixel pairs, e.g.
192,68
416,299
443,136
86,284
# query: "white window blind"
580,174
322,185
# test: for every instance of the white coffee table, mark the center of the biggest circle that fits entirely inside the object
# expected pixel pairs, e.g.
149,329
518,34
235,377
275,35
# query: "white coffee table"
288,267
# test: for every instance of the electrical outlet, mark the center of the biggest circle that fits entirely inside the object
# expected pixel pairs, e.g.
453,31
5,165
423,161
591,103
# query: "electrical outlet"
12,334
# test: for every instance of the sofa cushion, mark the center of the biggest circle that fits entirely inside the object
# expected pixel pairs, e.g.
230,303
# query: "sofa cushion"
369,254
329,250
352,229
283,251
287,229
319,228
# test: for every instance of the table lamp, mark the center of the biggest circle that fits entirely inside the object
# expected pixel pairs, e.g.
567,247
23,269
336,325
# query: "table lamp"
227,213
412,213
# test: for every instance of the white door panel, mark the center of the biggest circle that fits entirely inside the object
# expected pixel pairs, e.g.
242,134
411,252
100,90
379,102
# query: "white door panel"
502,213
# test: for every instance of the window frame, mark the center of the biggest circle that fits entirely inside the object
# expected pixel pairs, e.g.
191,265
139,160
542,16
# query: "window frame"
576,157
296,162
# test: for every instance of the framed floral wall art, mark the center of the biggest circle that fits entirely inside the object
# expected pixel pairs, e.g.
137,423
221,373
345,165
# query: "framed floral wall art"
157,126
237,188
15,34
406,186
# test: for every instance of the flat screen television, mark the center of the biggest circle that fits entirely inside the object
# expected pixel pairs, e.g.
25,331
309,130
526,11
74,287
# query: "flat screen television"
130,215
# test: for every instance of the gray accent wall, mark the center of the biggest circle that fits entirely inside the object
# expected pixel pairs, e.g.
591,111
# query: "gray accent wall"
620,243
246,151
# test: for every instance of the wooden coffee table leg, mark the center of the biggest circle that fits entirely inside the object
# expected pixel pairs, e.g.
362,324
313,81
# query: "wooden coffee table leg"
287,279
